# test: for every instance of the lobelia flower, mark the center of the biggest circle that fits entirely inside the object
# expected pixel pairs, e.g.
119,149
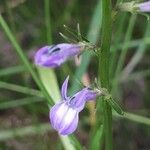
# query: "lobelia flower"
143,7
134,6
64,116
55,55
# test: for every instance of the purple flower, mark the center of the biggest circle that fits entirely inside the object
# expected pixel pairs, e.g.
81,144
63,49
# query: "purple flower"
134,6
64,116
54,55
143,7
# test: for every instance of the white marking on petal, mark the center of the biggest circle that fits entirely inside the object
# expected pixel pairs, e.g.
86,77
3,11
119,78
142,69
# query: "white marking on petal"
68,118
60,114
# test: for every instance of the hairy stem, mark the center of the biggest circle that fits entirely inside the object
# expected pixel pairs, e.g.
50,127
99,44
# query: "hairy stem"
104,70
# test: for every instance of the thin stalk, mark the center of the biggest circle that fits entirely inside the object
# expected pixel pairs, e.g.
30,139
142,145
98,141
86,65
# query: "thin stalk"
24,59
104,70
48,21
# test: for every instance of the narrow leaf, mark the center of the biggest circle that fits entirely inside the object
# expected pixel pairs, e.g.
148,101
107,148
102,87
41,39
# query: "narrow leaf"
116,107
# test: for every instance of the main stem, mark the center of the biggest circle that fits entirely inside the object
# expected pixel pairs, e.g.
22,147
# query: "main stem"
104,55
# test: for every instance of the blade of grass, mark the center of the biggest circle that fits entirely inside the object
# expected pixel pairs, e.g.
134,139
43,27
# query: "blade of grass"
20,89
24,131
131,44
123,54
137,56
113,49
12,70
49,80
125,49
24,59
19,102
136,75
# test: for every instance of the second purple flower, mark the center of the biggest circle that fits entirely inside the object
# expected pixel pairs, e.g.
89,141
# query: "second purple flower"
143,7
64,116
55,55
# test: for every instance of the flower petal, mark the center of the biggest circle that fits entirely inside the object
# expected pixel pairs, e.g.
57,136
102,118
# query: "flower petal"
39,56
64,118
90,94
78,100
64,89
72,127
57,113
55,55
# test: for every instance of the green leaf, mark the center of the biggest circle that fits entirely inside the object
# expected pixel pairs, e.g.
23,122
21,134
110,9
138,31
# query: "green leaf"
49,80
97,138
116,107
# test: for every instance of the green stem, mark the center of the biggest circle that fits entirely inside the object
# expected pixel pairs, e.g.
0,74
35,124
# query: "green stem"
24,59
104,69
